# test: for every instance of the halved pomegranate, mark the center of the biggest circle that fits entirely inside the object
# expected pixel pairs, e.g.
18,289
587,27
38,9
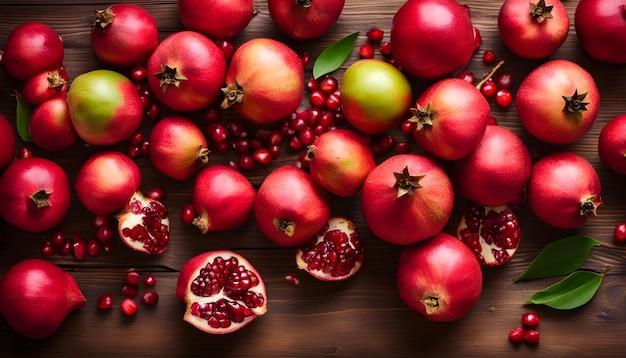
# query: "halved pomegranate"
335,253
143,225
223,292
491,232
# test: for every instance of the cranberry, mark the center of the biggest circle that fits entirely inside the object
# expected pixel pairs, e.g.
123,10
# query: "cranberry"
145,149
333,102
306,136
366,51
408,127
47,249
132,278
155,194
130,290
530,319
153,111
504,98
403,147
58,237
236,128
188,214
489,89
317,99
262,155
274,150
133,151
516,336
467,76
107,247
104,233
619,232
138,73
489,57
217,132
275,138
531,336
375,34
149,280
385,48
211,115
129,306
93,247
327,119
105,301
386,142
504,80
227,48
241,145
150,297
101,220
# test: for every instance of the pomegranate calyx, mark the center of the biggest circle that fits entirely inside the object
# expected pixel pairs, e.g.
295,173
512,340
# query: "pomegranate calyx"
103,18
203,155
574,103
431,304
233,93
202,222
40,198
286,226
540,11
304,3
589,206
406,183
55,81
310,152
421,116
169,76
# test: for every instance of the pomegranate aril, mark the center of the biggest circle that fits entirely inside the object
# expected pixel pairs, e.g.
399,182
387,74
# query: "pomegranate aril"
385,49
328,84
386,142
136,138
619,232
145,149
107,247
504,80
489,89
104,233
24,153
297,124
57,239
211,115
66,248
129,290
236,127
312,84
245,162
306,136
138,74
188,214
489,57
327,119
305,58
295,144
366,51
317,99
333,102
530,319
105,301
47,248
217,132
93,247
80,250
314,116
149,279
531,336
292,279
403,147
132,278
150,297
155,194
504,98
516,336
467,77
408,127
129,306
153,111
262,155
227,48
133,151
274,150
375,34
241,145
223,146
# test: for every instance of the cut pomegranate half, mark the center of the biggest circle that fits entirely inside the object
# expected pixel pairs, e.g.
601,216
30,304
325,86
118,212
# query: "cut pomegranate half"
143,225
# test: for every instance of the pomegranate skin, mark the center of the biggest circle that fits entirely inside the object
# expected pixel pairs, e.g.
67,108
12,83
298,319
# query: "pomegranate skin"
407,218
20,187
612,144
496,171
31,48
564,190
7,143
36,296
601,29
50,125
305,19
439,278
217,19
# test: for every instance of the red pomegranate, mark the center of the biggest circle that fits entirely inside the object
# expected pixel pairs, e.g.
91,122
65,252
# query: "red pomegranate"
407,198
612,144
7,143
32,48
222,290
601,28
305,19
217,19
43,86
439,278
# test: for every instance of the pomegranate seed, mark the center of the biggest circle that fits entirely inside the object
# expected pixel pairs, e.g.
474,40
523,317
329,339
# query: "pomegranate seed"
101,220
504,98
150,297
531,336
377,149
516,336
385,48
47,249
129,290
93,247
274,150
256,143
241,145
132,277
317,99
149,279
58,237
467,76
478,40
136,138
375,34
386,142
306,58
275,138
403,147
153,111
489,89
188,214
327,119
146,101
133,151
155,194
366,51
245,162
138,74
145,149
339,117
489,57
530,319
293,279
328,84
297,124
236,127
80,250
107,247
504,80
129,306
264,134
262,155
314,116
211,115
227,48
66,248
312,84
306,136
333,102
105,301
217,132
24,153
104,233
295,144
619,232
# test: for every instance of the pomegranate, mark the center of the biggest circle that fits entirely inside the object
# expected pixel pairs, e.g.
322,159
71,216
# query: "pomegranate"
35,194
223,199
32,48
601,29
264,81
612,144
407,198
305,19
178,147
104,107
217,19
558,200
43,86
7,143
533,29
124,35
290,206
340,160
222,290
143,225
101,192
492,233
439,278
432,38
335,253
375,96
186,71
496,171
36,296
558,102
50,125
451,117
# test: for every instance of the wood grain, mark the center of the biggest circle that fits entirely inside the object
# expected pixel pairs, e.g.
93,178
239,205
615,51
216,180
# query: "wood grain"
359,317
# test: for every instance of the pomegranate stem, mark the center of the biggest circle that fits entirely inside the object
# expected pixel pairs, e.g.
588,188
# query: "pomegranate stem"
490,74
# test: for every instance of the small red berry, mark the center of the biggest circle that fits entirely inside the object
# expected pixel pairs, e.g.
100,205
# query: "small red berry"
80,250
516,336
105,301
478,40
138,73
101,220
333,102
130,290
24,153
150,297
531,336
262,155
47,249
467,76
66,248
93,247
246,162
312,84
58,238
530,319
129,306
149,279
104,233
366,51
504,98
489,57
317,99
227,48
504,80
619,232
328,84
306,58
375,34
385,48
188,214
489,89
132,278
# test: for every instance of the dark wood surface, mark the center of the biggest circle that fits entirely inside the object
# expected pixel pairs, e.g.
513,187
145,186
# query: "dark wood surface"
362,316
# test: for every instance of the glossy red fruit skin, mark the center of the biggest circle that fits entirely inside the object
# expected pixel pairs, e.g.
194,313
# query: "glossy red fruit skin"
531,336
272,78
530,319
194,57
409,218
442,270
540,103
24,178
217,19
459,118
619,232
516,336
555,198
103,193
223,199
612,144
527,38
601,29
43,86
305,19
340,160
7,143
496,171
428,46
128,39
31,48
289,198
51,127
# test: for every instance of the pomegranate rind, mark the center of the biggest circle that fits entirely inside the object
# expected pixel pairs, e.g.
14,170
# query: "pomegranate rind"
129,219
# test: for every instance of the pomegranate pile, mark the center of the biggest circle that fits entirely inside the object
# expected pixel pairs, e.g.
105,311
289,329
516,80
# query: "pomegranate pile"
215,114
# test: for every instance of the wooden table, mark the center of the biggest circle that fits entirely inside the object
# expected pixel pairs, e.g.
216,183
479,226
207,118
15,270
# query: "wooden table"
363,316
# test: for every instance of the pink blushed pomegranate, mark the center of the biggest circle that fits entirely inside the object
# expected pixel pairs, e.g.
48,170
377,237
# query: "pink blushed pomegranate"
223,199
101,192
222,290
51,127
32,48
601,29
290,206
439,278
7,143
305,19
407,198
612,144
558,200
35,194
216,19
144,225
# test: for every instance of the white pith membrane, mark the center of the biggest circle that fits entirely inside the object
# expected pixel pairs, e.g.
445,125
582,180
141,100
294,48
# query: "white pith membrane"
132,215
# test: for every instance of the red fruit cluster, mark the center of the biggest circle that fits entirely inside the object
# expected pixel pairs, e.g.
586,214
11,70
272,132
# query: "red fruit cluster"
130,290
527,332
77,245
492,87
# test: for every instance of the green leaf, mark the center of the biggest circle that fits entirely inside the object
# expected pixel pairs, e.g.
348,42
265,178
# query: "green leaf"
334,56
573,291
23,113
560,257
